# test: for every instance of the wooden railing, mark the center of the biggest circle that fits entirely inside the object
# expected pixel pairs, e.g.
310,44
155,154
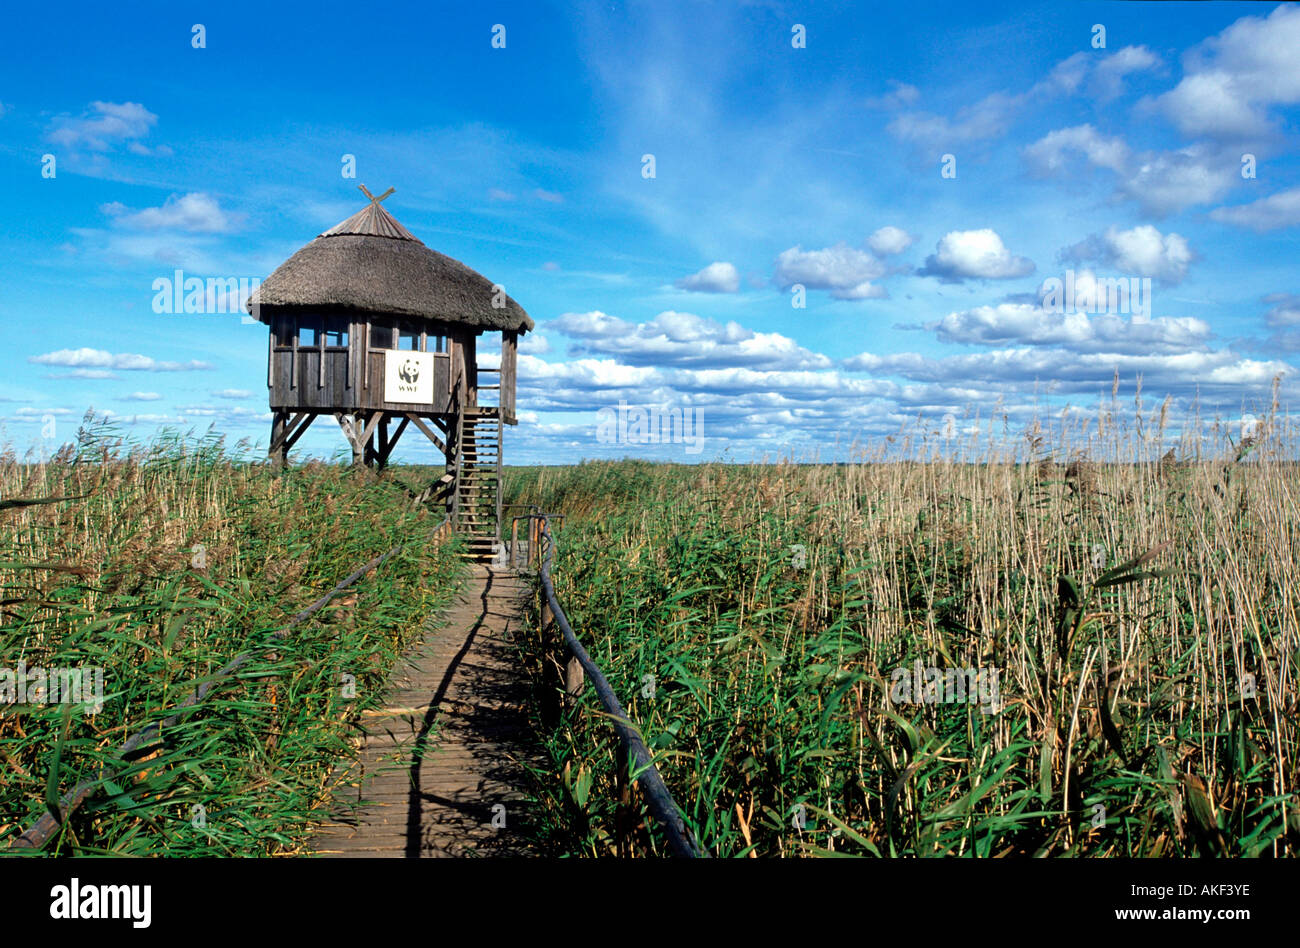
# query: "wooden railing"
635,761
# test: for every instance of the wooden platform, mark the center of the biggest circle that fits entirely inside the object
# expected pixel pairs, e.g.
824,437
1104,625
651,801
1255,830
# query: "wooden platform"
448,752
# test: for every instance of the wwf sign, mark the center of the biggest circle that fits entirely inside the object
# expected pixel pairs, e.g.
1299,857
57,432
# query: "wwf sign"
408,377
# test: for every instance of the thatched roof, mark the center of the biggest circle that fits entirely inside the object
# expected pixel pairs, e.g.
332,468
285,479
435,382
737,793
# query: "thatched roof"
370,263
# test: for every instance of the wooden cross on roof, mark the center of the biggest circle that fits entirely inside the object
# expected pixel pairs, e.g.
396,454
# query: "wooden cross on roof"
375,200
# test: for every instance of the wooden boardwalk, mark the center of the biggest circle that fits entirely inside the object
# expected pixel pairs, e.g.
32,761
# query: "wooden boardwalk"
448,754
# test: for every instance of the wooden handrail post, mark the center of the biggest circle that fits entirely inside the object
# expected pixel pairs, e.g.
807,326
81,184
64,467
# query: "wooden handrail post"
623,814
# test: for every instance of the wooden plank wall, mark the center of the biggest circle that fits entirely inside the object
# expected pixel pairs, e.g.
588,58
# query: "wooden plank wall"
353,378
298,382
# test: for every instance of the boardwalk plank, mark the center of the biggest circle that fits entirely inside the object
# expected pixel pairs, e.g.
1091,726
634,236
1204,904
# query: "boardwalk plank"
452,745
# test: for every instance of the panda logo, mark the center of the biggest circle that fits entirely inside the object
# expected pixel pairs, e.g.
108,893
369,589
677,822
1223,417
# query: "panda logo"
409,371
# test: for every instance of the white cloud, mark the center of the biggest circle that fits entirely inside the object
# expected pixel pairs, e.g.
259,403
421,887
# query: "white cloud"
1108,77
1284,316
719,277
994,114
1165,182
141,397
193,213
84,374
1027,324
760,405
987,118
1271,213
105,124
1070,371
582,375
1048,154
674,338
497,194
232,393
890,240
1285,311
1143,251
85,358
1161,181
899,94
534,343
1233,78
28,411
846,271
550,197
1210,103
974,254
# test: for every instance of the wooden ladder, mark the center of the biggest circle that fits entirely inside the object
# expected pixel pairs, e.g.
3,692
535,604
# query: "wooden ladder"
478,482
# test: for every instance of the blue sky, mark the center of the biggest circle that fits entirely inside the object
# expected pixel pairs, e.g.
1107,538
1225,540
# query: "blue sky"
775,167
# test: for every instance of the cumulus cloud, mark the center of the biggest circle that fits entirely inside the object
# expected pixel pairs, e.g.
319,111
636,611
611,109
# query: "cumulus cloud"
232,393
1143,251
102,126
846,271
1162,182
1232,79
534,343
193,213
758,404
1050,153
1271,213
890,240
974,254
673,338
92,359
1027,324
142,397
1071,372
718,277
1166,182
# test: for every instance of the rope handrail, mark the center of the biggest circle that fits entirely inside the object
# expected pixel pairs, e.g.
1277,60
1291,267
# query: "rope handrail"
42,830
681,841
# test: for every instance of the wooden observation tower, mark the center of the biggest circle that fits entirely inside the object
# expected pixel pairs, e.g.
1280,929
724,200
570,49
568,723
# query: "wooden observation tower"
376,330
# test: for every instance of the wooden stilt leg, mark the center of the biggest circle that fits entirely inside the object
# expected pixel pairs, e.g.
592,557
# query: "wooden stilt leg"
279,452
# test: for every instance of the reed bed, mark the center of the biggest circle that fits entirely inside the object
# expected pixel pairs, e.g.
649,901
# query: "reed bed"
160,562
1136,593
